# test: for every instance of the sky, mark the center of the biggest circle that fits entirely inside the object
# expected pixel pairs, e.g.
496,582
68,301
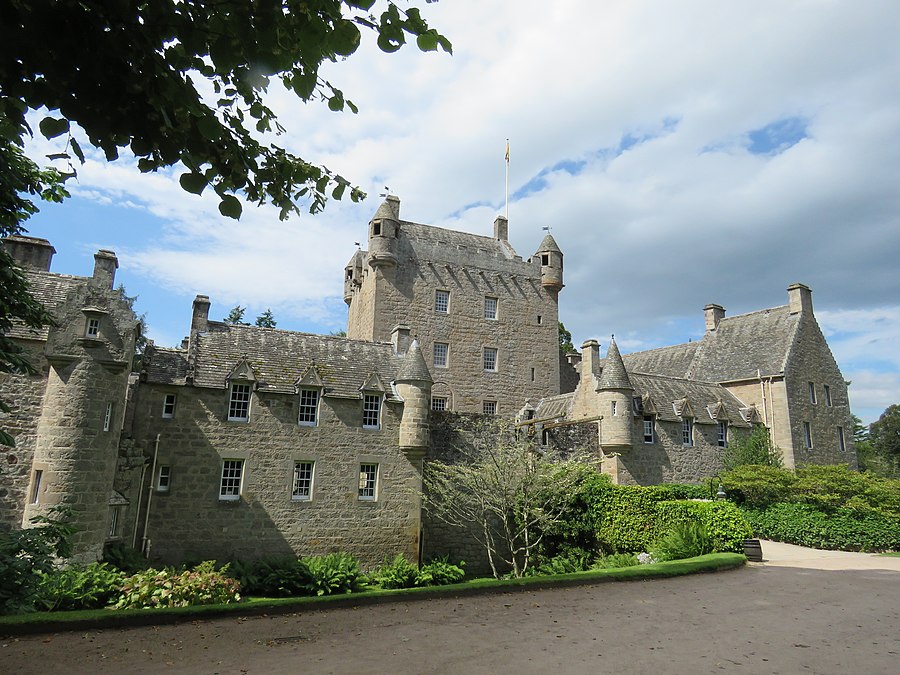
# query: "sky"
680,153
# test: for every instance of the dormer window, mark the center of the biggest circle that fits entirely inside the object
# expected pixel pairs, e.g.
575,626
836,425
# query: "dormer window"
92,329
371,411
239,403
309,408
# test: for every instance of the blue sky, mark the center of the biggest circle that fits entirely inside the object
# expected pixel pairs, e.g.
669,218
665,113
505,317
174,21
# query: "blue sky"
709,152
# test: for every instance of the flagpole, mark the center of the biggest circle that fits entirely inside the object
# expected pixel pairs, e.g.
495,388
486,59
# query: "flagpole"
507,180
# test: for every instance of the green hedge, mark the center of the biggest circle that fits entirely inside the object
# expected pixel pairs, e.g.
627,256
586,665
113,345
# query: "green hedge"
724,522
841,529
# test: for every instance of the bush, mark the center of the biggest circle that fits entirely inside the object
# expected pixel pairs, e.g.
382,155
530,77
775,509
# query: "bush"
758,486
90,586
624,516
277,577
838,486
440,572
124,557
841,529
400,573
203,585
573,560
724,522
335,573
685,540
616,560
756,448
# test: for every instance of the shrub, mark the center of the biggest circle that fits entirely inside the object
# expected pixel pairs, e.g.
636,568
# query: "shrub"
572,561
685,540
837,486
440,572
724,522
277,577
841,529
616,560
400,573
124,557
756,448
758,486
623,516
335,573
203,585
80,587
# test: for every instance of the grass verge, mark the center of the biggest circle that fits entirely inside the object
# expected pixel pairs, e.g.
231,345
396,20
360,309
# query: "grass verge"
54,622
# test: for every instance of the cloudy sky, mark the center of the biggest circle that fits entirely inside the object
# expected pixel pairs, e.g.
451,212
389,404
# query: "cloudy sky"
682,153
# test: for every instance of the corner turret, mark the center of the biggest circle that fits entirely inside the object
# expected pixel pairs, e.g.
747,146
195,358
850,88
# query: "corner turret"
615,395
551,259
414,387
384,230
353,273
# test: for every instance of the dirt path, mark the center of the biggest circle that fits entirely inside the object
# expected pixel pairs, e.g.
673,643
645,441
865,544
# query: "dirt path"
761,619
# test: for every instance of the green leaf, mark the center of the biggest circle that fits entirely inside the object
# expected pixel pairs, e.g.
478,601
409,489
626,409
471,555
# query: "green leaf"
427,42
210,127
195,183
352,106
76,149
338,191
51,127
230,207
336,102
390,41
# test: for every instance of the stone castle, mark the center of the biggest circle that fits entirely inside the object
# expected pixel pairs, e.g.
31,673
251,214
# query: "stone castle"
248,441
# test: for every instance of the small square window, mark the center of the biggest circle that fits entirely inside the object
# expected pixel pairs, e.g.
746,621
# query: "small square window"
107,417
239,403
232,473
371,410
441,353
169,406
368,482
438,402
92,329
163,478
309,407
490,359
807,435
827,395
812,393
687,432
648,429
722,434
442,302
490,308
303,482
489,407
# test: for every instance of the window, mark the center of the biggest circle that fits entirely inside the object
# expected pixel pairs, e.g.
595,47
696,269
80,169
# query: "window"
490,359
442,301
371,408
648,429
827,395
614,408
441,350
490,308
169,406
92,329
107,418
722,434
489,407
807,435
230,487
637,405
376,228
842,444
239,403
545,258
309,407
36,486
687,431
812,393
438,402
114,521
368,482
532,374
303,480
163,478
540,319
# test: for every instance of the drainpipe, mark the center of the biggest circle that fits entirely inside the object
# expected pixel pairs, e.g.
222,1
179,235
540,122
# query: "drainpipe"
145,543
137,511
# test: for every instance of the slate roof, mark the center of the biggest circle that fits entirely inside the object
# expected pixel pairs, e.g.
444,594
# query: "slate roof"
674,361
549,244
51,290
278,358
614,375
414,368
702,396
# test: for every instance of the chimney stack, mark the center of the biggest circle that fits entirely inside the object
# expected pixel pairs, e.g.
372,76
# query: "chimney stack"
501,228
800,299
400,338
30,252
713,314
105,266
200,314
590,361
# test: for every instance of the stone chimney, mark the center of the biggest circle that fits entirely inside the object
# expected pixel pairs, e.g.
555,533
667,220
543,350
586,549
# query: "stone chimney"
800,299
573,358
590,361
105,266
501,228
714,314
200,314
400,338
30,252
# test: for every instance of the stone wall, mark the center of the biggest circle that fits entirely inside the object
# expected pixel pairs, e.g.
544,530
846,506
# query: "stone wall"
191,522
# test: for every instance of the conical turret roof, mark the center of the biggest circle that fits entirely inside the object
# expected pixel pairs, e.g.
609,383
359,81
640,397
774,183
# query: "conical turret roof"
389,209
548,244
413,368
614,375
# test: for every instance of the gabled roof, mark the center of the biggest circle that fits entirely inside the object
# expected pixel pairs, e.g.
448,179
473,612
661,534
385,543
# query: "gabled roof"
50,289
696,397
164,365
310,378
671,361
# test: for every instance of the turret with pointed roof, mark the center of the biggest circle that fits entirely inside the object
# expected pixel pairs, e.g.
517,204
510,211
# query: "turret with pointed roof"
413,385
615,393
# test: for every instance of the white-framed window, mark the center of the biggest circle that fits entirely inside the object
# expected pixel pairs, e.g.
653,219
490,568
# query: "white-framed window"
438,402
812,393
308,414
489,359
239,403
489,407
368,482
114,518
92,328
441,354
301,490
163,478
371,411
36,480
490,308
807,435
687,431
722,434
232,475
648,428
442,302
827,394
842,443
168,410
107,417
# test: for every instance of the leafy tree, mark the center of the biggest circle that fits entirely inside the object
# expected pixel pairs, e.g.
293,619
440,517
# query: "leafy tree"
757,448
266,319
565,341
130,75
236,316
884,435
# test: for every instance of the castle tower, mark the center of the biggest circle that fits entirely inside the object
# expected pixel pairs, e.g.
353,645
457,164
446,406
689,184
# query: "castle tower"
414,387
615,393
551,258
384,229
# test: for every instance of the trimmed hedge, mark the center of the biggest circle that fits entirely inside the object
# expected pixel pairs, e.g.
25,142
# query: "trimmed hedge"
724,522
841,529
